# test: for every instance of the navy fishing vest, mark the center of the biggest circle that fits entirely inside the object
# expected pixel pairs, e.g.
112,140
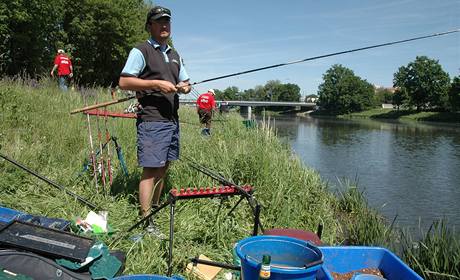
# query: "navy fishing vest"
159,106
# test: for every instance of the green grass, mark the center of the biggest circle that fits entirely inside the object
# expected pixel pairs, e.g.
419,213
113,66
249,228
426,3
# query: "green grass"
436,255
37,130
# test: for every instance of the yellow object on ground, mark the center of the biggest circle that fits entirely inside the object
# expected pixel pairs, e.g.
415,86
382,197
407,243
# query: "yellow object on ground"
202,271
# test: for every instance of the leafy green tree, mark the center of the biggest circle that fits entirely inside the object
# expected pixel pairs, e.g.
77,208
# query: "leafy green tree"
400,97
342,92
454,94
100,34
256,94
28,29
383,95
230,93
97,34
425,82
288,92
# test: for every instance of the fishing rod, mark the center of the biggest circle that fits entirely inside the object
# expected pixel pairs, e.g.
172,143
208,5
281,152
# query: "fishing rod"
93,155
120,156
278,65
327,55
79,198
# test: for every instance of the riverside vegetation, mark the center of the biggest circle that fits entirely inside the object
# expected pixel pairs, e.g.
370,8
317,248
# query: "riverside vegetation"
37,130
409,115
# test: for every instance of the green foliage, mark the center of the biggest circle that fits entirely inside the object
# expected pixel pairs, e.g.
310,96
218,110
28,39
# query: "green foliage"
454,94
271,91
342,92
28,29
101,33
400,97
230,93
37,130
425,83
436,255
383,95
98,35
362,225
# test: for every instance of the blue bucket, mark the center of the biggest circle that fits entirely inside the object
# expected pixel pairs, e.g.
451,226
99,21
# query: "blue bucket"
291,258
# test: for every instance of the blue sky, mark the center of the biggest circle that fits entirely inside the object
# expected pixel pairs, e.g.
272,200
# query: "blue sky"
223,37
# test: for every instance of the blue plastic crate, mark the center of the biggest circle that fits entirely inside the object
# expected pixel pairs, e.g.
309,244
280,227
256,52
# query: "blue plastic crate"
343,259
7,215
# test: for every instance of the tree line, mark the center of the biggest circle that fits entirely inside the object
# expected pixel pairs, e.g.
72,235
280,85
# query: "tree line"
96,34
421,85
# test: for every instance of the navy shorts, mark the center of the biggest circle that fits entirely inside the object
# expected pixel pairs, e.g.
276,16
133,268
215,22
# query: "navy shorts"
157,143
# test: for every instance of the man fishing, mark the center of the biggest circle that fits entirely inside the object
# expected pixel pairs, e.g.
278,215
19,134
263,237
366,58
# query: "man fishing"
155,71
205,105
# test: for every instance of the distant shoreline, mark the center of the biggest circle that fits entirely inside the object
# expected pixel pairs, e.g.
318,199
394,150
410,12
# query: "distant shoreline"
379,113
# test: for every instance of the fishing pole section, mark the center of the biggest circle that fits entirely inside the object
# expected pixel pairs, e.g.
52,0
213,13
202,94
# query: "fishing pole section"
100,163
52,183
105,104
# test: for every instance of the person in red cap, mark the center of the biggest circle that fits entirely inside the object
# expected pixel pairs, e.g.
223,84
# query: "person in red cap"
206,104
64,66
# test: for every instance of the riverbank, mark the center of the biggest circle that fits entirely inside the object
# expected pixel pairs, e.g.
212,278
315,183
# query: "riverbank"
406,115
38,131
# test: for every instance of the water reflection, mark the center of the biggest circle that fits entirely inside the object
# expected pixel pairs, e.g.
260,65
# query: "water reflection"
407,169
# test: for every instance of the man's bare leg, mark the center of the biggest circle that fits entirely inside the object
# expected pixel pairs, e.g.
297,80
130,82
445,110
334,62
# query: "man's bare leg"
150,187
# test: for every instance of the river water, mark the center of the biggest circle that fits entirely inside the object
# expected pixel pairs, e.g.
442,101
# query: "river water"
411,170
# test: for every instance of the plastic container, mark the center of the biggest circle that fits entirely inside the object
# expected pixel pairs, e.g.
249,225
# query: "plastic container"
343,259
366,277
291,258
147,277
236,261
250,123
7,215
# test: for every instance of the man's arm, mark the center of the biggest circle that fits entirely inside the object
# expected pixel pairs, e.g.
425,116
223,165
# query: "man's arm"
71,71
52,70
136,84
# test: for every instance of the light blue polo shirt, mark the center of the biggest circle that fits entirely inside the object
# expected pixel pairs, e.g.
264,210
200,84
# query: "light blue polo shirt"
135,63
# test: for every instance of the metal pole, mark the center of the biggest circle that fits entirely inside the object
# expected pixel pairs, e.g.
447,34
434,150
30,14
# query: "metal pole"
171,236
79,198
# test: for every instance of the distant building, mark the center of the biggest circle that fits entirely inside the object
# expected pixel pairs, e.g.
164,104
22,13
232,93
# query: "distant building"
381,88
311,98
387,106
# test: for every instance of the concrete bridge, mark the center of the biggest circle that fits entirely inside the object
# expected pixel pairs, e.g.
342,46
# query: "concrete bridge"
247,105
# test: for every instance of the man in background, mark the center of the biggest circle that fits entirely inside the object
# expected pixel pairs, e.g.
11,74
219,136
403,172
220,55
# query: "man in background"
206,104
64,66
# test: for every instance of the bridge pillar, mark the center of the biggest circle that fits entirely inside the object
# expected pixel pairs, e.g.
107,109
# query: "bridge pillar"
246,110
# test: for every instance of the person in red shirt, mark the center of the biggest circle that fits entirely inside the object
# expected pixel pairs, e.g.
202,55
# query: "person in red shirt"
64,66
206,104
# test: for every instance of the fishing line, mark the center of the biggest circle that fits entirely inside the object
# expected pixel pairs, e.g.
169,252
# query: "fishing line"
326,55
278,65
